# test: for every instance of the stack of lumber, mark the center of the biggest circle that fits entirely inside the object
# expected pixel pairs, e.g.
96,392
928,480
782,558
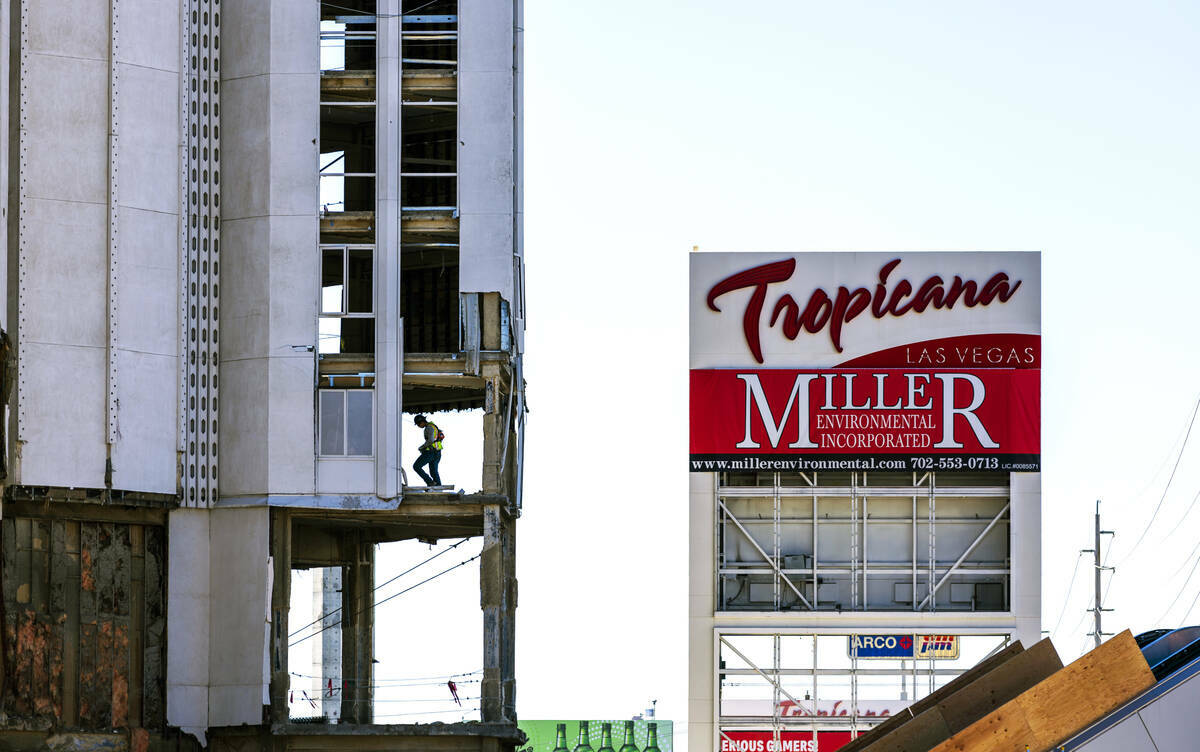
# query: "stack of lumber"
1016,700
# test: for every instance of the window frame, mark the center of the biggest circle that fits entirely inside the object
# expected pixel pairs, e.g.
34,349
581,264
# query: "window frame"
345,313
345,436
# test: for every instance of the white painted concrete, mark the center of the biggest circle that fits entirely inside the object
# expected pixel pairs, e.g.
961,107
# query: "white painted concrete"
1025,491
62,390
240,599
188,606
486,157
269,268
389,355
345,475
701,605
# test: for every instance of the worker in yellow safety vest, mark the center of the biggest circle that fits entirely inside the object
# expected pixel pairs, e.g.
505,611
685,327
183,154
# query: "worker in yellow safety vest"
431,452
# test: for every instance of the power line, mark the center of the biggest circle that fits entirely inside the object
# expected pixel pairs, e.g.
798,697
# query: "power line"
390,597
463,711
1177,525
1166,488
1180,592
325,616
1186,560
1189,611
1067,599
415,680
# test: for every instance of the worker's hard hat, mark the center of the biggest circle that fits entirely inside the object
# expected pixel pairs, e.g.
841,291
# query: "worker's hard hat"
419,419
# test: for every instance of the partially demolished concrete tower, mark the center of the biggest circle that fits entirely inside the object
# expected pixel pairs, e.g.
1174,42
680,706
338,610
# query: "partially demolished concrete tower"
246,241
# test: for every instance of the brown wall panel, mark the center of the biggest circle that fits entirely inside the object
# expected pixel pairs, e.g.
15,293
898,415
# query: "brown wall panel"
84,622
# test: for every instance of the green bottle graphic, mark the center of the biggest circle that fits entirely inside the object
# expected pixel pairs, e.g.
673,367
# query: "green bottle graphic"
583,745
628,745
606,738
652,741
560,739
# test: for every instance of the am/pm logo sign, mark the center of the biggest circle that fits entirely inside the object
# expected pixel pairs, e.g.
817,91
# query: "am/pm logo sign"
937,646
927,647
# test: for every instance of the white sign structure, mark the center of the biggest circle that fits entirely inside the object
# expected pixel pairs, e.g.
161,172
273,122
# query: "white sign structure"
851,305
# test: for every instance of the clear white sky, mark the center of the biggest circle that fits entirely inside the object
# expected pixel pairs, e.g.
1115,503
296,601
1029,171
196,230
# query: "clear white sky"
1069,128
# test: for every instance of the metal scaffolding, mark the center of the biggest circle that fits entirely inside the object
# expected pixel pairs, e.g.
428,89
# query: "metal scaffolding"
785,557
832,689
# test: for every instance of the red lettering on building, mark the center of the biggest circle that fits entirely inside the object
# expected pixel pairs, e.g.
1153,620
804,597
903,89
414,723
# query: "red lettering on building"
823,311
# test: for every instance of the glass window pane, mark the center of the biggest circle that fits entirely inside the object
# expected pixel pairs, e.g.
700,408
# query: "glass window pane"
360,278
358,422
357,336
346,193
332,280
329,336
332,409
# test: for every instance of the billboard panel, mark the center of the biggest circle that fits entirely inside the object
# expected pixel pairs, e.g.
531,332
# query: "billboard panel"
789,741
805,708
542,735
865,361
925,647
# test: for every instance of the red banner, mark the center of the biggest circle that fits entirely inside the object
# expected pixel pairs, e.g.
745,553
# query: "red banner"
789,741
865,419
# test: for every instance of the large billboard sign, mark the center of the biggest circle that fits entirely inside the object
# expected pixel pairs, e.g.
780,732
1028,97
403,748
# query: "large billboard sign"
642,735
789,741
865,361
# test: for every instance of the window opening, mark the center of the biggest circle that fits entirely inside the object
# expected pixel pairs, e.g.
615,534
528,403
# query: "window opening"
315,665
785,542
347,317
429,176
347,120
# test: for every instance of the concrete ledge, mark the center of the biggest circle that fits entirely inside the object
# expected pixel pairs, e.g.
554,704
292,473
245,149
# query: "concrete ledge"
504,731
441,737
413,501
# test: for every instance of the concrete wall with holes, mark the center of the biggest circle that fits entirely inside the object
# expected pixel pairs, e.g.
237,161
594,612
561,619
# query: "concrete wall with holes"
269,271
93,251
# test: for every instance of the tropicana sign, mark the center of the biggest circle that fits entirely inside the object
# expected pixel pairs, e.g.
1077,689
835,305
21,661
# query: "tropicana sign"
823,312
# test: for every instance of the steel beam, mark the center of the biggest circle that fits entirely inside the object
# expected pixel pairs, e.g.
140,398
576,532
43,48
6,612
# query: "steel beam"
933,591
762,553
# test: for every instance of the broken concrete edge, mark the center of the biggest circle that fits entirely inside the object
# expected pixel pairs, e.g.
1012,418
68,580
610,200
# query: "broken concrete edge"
363,502
196,732
507,732
134,739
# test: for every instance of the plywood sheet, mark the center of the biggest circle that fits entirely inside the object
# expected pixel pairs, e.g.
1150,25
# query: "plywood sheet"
1004,729
920,706
1089,688
1000,685
1062,704
917,735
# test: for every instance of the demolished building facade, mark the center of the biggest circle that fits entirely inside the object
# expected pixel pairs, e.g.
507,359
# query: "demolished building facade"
245,239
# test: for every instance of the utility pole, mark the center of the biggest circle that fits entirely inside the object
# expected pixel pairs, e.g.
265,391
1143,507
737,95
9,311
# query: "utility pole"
1097,631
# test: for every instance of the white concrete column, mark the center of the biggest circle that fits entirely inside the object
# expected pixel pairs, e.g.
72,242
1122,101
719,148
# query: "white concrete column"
188,602
270,267
240,602
389,362
328,587
1026,540
701,609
